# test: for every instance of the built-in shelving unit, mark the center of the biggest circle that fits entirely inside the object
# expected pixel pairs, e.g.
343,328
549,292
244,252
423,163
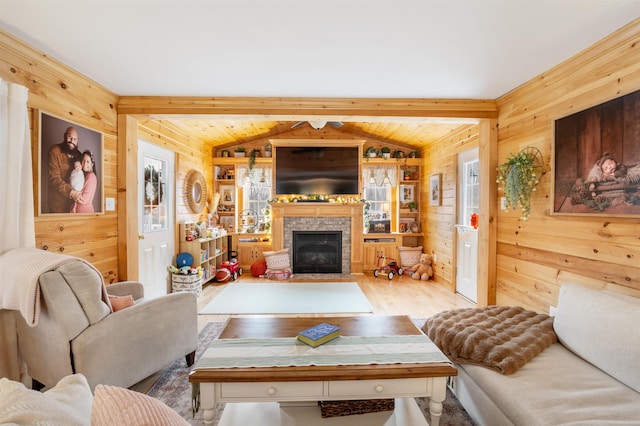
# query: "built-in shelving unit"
207,252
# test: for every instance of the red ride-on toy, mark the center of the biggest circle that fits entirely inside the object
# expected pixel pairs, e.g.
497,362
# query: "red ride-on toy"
387,266
233,267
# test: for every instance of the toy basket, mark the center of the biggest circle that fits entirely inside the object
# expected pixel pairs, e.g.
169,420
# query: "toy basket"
189,283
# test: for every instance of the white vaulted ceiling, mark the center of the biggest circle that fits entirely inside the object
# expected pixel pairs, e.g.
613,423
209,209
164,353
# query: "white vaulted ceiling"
438,49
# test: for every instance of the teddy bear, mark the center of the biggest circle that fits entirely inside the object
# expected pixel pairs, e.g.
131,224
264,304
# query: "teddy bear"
423,269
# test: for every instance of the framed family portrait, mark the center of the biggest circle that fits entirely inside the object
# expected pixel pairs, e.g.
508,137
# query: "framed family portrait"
70,168
435,181
596,160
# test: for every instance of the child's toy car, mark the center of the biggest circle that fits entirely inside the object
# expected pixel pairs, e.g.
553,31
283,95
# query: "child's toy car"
233,267
387,266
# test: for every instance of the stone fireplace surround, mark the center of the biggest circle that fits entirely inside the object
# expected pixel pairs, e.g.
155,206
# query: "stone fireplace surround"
289,217
343,224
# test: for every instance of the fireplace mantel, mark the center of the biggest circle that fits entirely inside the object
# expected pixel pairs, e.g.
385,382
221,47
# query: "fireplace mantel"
353,210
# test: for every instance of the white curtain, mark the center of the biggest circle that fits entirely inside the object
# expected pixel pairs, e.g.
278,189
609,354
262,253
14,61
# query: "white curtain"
16,178
17,219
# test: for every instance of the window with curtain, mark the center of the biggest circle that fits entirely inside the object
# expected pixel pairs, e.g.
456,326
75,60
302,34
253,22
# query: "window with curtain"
256,193
378,181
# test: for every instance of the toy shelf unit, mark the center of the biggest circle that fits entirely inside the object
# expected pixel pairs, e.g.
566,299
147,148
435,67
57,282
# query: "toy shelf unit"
207,252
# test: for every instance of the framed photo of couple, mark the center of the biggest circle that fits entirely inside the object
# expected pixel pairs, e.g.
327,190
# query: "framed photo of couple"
70,175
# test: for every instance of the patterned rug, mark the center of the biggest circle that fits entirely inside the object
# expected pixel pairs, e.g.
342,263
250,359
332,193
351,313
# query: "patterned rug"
173,387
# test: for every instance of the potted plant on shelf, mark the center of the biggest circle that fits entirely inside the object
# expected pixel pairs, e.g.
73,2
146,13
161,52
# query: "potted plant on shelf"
399,154
371,152
239,152
267,150
386,152
518,176
413,206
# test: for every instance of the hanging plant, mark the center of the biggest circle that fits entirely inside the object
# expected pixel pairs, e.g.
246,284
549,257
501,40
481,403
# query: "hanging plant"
252,158
518,177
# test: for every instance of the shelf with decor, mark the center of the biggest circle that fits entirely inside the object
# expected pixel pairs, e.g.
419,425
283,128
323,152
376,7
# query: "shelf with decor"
208,251
238,198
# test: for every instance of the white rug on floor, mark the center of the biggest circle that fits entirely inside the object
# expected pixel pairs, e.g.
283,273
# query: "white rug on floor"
289,298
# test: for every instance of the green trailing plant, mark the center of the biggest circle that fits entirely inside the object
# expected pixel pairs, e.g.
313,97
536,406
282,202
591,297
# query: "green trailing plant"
252,158
369,151
518,177
399,154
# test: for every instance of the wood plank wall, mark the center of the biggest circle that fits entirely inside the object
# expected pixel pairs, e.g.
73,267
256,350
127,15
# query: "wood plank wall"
59,91
441,157
535,257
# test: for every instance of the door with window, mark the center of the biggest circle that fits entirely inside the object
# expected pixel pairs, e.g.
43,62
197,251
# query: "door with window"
155,217
467,235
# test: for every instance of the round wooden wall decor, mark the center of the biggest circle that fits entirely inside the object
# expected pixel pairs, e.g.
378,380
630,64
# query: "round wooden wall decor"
195,191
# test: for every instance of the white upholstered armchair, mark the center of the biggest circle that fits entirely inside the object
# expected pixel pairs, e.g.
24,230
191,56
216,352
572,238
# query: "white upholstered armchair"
78,333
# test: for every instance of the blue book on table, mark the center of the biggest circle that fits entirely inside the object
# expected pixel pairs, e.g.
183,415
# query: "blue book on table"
319,334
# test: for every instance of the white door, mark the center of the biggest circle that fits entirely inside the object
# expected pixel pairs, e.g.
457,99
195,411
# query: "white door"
467,236
155,217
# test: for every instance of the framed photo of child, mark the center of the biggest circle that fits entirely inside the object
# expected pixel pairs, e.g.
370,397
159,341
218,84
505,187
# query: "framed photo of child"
70,168
596,160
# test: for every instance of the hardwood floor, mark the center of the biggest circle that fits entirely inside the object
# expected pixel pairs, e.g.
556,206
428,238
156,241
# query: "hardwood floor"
400,296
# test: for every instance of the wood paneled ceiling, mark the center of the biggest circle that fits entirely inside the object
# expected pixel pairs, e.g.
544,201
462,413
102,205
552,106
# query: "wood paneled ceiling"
220,133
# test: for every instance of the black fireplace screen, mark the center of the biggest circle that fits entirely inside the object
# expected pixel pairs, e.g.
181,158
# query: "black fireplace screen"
317,252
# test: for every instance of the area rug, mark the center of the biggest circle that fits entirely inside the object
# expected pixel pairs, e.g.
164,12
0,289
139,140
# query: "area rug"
289,298
173,388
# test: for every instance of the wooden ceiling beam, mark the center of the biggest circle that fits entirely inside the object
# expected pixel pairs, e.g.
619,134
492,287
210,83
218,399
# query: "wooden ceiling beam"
339,109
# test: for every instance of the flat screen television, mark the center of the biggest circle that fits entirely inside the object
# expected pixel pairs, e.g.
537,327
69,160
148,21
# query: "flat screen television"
317,170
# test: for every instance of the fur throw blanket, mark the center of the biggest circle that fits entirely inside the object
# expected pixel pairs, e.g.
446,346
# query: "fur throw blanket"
501,338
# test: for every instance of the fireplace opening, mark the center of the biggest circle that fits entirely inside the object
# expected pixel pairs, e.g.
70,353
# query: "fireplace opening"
317,252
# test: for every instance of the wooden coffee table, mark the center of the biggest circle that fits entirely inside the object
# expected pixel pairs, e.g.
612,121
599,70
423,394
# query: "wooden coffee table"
318,383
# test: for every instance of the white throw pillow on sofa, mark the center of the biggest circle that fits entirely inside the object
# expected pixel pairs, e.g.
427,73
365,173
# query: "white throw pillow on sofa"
602,328
67,403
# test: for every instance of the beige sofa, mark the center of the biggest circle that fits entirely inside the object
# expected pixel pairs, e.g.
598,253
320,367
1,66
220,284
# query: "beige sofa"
77,332
590,376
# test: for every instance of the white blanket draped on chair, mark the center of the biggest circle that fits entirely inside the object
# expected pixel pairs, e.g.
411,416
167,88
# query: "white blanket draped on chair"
21,289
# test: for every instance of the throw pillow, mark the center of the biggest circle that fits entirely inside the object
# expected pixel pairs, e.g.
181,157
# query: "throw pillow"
278,259
67,403
119,406
121,302
409,256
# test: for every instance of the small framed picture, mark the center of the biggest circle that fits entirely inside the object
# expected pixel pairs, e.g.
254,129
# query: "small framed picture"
405,225
435,182
70,168
406,193
227,195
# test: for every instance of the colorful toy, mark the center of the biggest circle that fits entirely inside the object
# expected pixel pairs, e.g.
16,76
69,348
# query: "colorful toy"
233,267
387,266
423,270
